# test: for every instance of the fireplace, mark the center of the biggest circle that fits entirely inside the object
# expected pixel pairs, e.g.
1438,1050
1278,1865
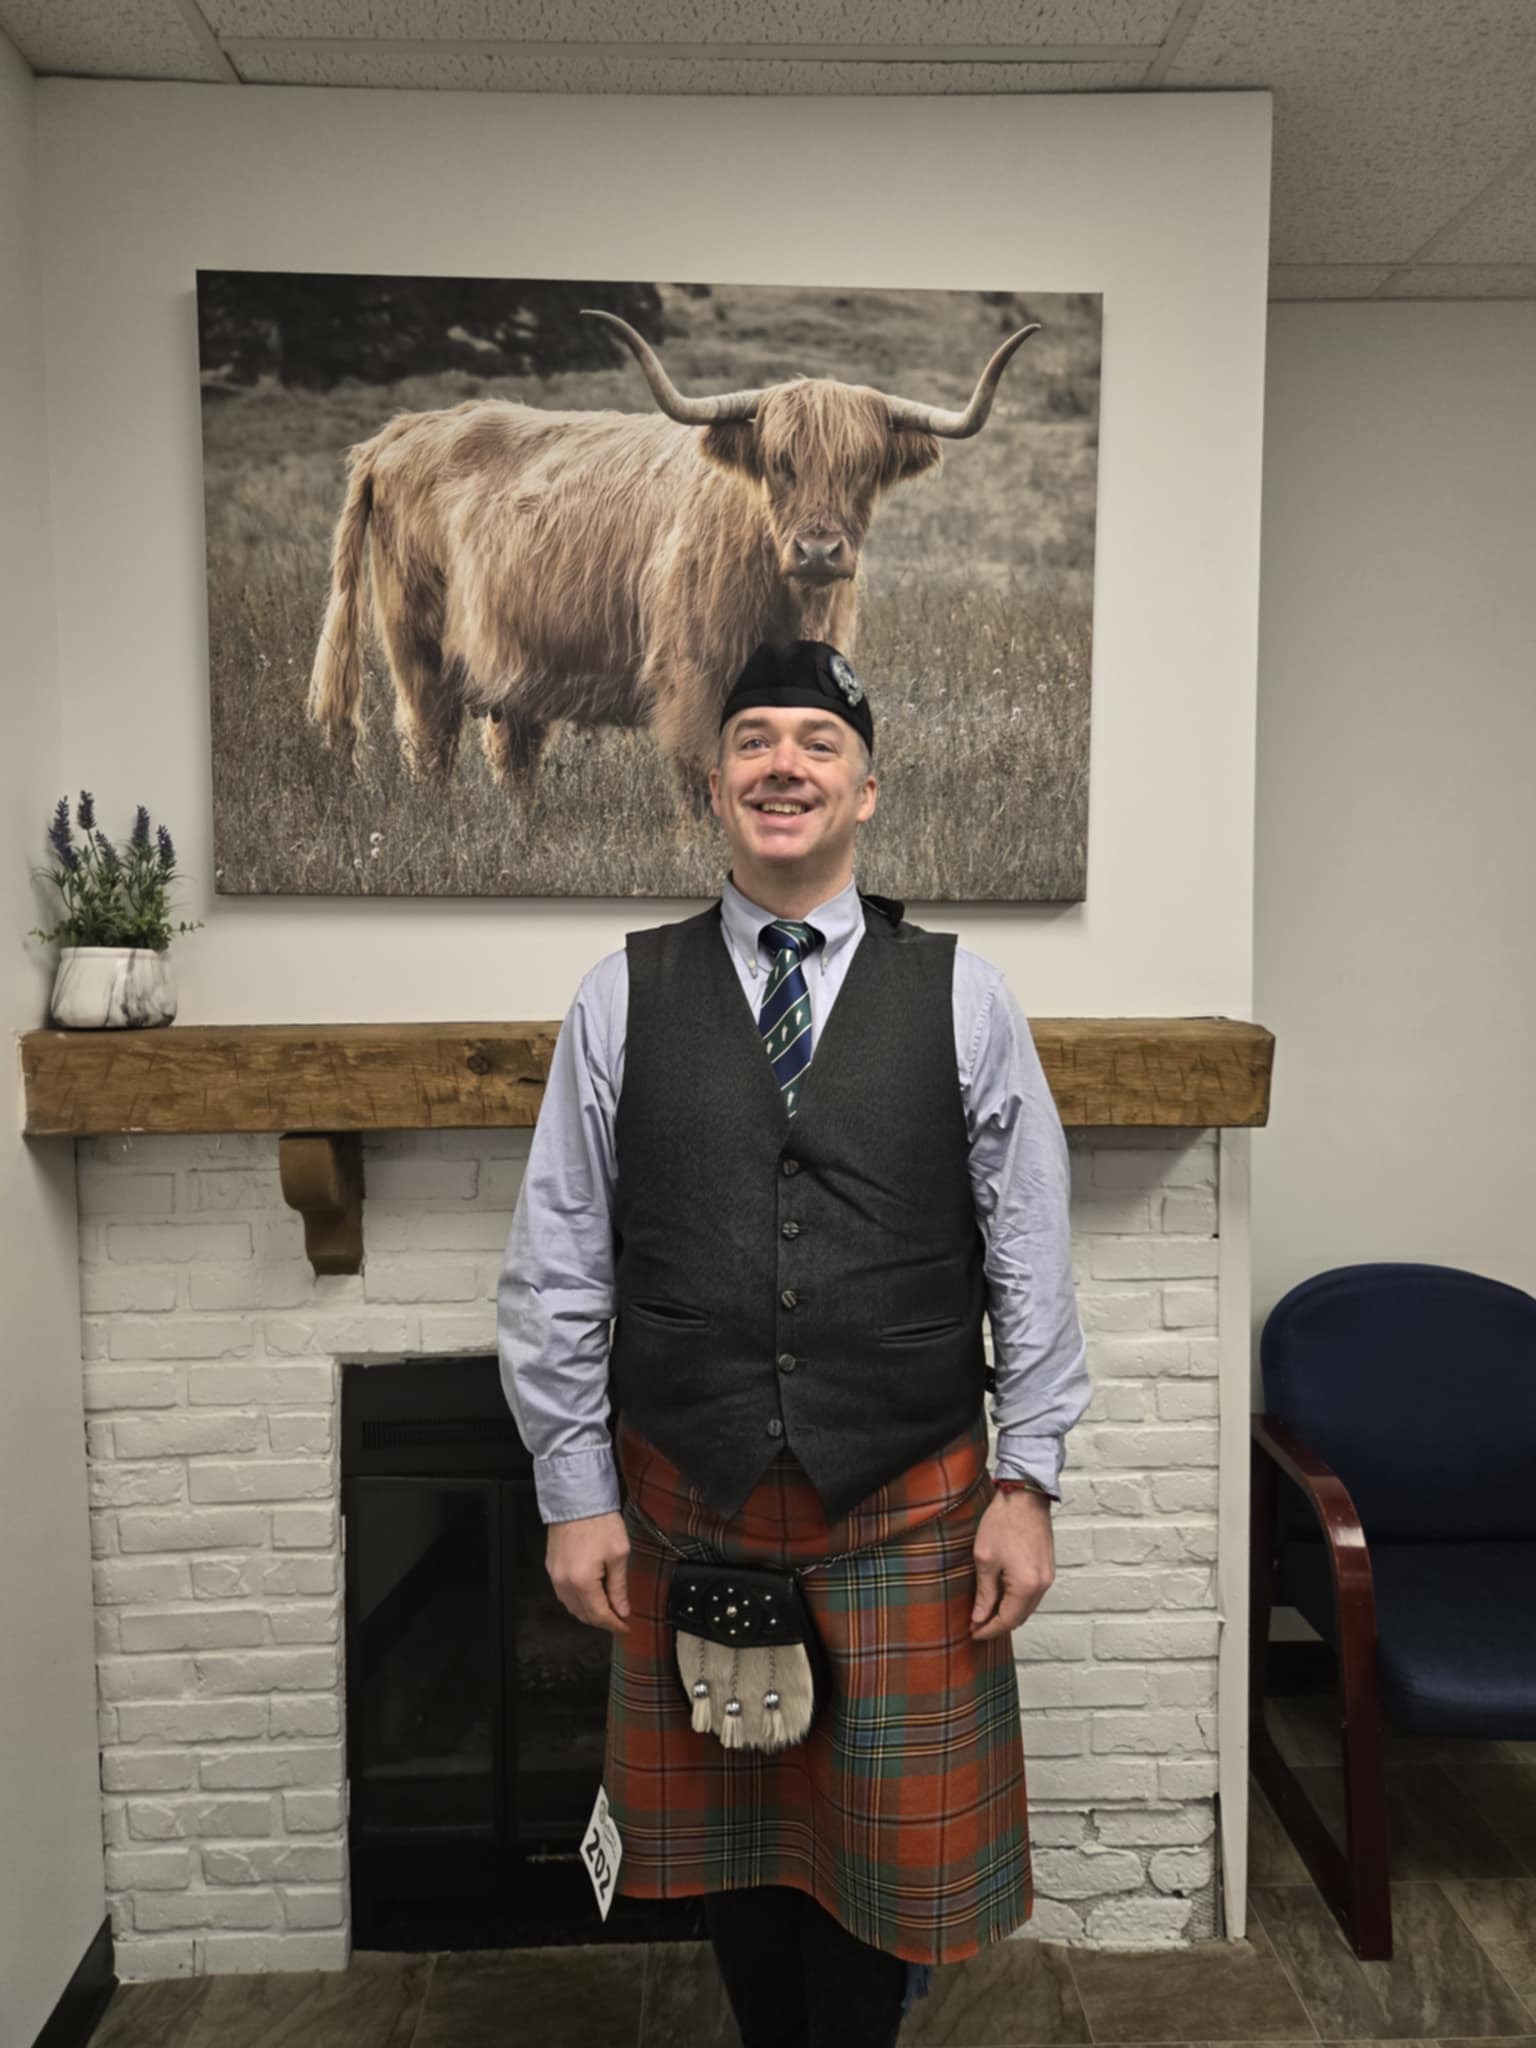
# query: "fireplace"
475,1702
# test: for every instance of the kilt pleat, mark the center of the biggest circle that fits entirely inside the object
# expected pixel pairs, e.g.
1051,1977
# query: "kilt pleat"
903,1811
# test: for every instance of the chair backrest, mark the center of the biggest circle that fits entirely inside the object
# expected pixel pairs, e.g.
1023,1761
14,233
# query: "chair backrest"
1417,1384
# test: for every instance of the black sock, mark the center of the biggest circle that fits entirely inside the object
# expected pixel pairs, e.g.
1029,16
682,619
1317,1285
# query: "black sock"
755,1933
854,1990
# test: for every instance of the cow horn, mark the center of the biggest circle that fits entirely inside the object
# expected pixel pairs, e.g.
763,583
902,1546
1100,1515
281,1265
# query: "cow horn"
692,412
956,426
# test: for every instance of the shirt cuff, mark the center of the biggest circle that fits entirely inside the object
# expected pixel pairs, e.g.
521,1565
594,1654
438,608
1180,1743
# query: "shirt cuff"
576,1484
1022,1456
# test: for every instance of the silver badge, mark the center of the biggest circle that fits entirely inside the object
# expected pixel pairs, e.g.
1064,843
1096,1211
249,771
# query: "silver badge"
845,679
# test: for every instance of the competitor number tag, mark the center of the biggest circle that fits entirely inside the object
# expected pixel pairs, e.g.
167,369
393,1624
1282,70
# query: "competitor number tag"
602,1852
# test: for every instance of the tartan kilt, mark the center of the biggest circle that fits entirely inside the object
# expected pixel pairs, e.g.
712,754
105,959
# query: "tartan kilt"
903,1811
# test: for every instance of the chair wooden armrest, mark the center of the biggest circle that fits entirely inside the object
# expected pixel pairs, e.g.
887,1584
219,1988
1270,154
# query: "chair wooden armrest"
1355,1883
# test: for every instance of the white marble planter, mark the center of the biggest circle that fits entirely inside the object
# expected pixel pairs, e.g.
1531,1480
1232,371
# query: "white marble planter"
100,987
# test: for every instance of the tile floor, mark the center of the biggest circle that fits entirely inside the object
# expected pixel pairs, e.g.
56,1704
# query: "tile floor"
1463,1818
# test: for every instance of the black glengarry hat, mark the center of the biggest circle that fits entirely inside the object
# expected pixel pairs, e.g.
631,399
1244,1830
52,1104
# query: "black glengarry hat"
802,672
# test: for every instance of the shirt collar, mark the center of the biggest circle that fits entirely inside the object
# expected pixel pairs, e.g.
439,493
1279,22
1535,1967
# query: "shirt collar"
838,919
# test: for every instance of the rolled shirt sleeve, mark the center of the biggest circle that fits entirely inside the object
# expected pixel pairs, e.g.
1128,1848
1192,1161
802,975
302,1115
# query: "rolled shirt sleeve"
1022,1184
555,1295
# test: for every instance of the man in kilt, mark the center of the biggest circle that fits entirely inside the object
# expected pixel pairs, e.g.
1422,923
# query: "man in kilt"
795,1149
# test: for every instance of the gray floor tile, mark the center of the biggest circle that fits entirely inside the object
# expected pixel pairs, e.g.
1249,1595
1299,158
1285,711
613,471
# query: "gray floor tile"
374,2003
1433,1829
1272,1857
1219,1991
1504,1796
1013,1992
1502,1917
587,1997
1438,1983
159,2015
685,2001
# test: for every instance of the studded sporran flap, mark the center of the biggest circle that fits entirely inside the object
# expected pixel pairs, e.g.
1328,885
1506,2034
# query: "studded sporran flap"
747,1652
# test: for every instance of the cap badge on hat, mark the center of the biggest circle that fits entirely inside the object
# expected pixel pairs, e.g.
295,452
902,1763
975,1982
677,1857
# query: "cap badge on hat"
845,679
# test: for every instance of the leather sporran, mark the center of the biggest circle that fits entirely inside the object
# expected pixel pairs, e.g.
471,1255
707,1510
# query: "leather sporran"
748,1654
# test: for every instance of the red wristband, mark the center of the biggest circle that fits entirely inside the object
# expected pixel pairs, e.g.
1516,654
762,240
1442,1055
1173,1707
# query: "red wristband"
1019,1486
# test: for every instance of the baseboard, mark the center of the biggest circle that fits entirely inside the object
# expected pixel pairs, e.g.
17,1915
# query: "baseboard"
84,1998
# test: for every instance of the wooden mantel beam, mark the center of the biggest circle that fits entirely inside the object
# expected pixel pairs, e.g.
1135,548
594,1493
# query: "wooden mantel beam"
1172,1072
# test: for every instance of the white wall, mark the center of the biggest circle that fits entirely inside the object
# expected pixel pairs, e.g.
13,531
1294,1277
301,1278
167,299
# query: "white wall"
1396,832
51,1899
1159,203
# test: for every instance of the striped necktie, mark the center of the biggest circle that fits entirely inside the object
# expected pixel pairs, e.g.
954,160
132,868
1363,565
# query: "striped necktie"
784,1021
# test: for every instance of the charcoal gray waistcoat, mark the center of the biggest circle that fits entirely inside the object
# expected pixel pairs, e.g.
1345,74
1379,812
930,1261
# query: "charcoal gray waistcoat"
814,1280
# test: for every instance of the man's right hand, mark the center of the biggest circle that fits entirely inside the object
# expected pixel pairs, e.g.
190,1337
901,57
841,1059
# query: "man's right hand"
588,1565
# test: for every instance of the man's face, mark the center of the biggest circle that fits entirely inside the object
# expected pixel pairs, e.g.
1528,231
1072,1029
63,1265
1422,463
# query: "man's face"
792,788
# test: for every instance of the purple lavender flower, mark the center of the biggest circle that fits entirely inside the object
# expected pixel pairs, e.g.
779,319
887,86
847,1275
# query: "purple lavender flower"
141,826
58,832
167,850
87,813
110,859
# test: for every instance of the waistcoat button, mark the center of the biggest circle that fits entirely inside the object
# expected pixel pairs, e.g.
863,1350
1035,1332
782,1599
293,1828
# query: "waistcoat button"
775,1428
789,1230
789,1297
790,1165
786,1361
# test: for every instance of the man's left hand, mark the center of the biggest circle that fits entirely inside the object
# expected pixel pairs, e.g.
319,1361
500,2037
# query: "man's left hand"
1015,1562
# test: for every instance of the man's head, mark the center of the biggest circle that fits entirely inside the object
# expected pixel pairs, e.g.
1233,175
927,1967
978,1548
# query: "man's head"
793,779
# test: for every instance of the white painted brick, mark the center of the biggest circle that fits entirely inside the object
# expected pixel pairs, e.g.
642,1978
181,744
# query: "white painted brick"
224,1189
255,1479
110,1289
195,1820
274,1863
1154,1354
1205,1356
1110,1685
304,1714
1051,1920
1072,1542
342,1332
460,1330
508,1142
1186,1400
196,1628
1054,1735
238,1954
1188,1210
1144,1168
1186,1308
1154,1258
133,1486
1090,1592
143,1678
173,1244
109,1386
1182,1870
1138,1923
105,1540
149,1870
1085,1781
263,1577
94,1331
1121,1401
292,1622
1044,1685
109,1191
114,1824
317,1906
306,1528
1156,1638
1188,1588
143,1149
139,1961
1181,1493
317,1813
1148,1542
269,1767
278,1236
219,1908
262,1386
419,1177
412,1279
1106,1212
288,1284
181,1435
1187,1778
148,1770
181,1336
1157,1827
1087,1873
433,1230
1185,1685
1114,1494
254,1671
299,1435
1157,1445
192,1721
1053,1639
142,1529
1147,1734
1057,1830
108,1633
501,1182
1119,1308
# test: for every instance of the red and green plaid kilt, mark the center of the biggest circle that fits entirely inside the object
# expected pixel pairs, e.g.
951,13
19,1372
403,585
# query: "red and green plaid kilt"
903,1810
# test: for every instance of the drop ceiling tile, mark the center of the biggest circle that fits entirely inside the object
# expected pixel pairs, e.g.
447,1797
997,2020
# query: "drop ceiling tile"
479,69
1018,22
106,39
1499,229
1326,280
1462,281
1390,115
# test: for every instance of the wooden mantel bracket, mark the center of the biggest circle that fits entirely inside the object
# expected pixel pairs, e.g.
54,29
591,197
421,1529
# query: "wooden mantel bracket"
322,1177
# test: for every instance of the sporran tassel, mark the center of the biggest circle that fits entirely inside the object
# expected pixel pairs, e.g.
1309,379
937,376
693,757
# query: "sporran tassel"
773,1683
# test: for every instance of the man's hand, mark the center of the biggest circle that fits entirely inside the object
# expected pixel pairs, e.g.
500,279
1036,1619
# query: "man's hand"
1015,1562
588,1565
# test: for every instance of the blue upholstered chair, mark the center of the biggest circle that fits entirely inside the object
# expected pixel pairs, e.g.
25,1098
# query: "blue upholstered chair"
1394,1504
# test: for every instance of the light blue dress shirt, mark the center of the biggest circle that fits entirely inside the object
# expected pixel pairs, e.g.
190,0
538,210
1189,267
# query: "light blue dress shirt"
555,1300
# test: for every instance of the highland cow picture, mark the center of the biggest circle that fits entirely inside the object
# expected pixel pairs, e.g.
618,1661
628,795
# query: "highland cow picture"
485,557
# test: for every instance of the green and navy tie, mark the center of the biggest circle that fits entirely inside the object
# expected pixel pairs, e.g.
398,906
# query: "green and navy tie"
784,1020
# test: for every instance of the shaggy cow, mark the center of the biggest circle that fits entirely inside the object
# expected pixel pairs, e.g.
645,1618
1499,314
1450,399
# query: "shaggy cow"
608,568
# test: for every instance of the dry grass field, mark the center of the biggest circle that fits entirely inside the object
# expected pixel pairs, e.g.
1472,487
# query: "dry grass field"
974,629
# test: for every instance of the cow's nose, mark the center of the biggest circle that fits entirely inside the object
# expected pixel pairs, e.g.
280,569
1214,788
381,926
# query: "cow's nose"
819,554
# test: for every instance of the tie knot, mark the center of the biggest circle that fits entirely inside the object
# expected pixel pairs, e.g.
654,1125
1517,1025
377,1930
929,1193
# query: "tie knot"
787,935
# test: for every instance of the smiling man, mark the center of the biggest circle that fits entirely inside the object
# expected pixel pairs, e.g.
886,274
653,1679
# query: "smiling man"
799,1149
